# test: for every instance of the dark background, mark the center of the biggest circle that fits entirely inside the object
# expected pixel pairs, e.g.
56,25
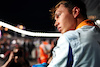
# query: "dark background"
35,15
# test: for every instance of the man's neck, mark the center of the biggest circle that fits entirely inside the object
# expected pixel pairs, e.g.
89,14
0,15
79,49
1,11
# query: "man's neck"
80,19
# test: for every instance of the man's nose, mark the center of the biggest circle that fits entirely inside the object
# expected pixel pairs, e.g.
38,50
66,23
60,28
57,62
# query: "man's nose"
56,24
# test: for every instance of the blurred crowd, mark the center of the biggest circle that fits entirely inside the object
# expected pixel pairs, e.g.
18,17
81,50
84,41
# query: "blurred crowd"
33,48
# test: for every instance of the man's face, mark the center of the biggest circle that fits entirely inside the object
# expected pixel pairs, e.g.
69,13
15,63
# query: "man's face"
64,20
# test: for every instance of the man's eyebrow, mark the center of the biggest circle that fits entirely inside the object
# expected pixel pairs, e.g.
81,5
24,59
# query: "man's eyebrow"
55,14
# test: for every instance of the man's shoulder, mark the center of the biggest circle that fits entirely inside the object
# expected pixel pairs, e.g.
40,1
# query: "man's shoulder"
76,33
71,34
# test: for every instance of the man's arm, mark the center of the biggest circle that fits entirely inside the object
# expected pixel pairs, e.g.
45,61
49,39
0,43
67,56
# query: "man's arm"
60,53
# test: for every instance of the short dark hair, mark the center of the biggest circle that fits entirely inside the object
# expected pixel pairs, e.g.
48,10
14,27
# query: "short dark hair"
70,4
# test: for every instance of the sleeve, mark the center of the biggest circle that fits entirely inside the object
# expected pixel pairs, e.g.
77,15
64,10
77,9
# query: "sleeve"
60,53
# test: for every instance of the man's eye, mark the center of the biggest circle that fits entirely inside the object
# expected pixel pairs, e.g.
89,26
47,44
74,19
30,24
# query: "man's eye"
59,15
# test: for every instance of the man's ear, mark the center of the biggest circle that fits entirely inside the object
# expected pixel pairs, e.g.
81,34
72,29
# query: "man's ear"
75,11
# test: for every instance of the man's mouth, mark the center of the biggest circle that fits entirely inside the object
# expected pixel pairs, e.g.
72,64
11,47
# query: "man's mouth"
59,29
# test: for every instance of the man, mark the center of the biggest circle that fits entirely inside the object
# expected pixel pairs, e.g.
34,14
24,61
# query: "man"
79,44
